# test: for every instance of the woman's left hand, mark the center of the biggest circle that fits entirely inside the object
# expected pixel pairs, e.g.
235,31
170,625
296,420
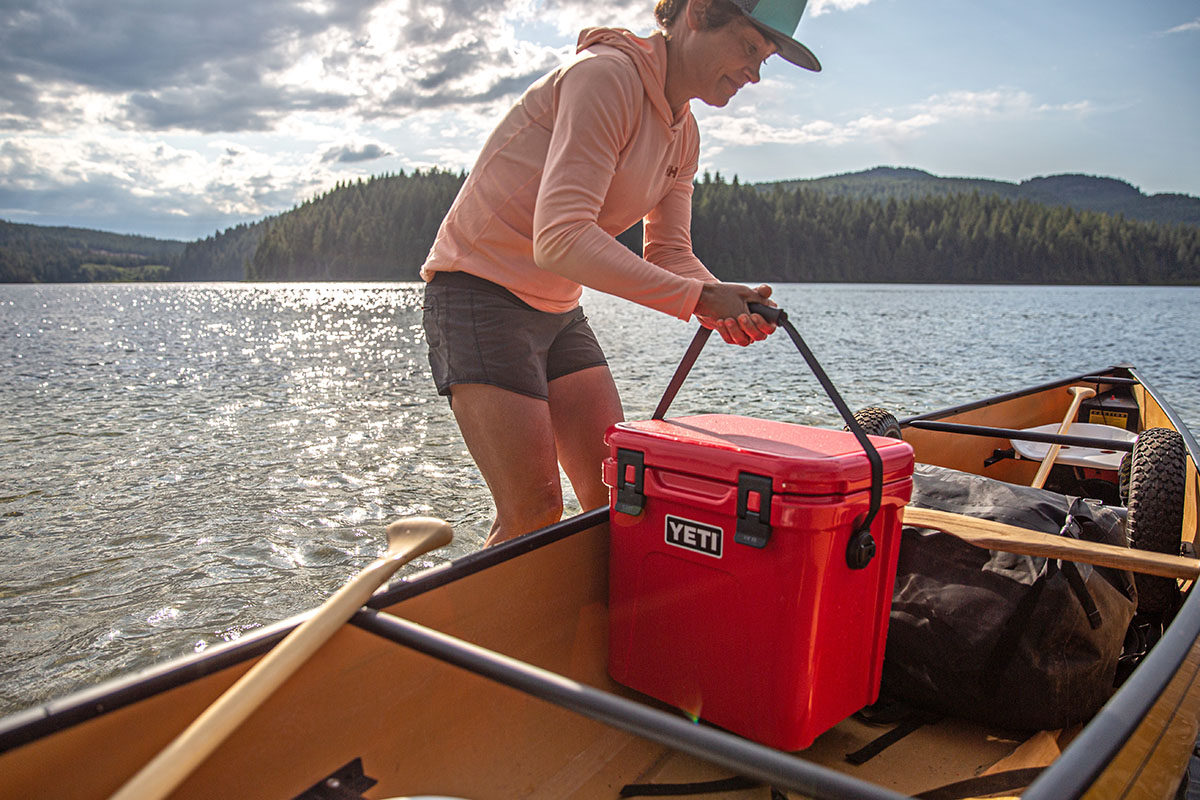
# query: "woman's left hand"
739,328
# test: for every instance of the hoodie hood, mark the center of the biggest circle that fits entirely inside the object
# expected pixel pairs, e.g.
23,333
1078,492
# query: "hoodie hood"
649,55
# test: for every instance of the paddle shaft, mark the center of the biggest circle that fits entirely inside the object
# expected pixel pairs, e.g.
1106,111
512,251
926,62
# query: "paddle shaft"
171,766
1081,393
1011,539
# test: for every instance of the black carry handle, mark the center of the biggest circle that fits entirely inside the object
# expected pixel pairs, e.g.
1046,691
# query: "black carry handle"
862,545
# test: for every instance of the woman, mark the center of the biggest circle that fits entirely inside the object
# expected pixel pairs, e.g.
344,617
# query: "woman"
589,150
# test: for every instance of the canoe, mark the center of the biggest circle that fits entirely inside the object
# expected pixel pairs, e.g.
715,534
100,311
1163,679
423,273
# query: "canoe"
486,677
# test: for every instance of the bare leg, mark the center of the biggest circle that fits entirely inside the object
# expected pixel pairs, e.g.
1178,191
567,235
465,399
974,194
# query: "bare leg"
511,438
582,407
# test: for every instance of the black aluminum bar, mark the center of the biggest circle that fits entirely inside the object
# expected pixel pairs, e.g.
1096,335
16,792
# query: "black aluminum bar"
1025,436
773,767
1113,379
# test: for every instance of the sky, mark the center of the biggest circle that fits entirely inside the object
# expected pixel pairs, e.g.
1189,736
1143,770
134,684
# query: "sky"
180,118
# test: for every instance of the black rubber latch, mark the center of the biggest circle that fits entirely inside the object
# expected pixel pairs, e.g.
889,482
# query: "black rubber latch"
753,528
861,549
631,494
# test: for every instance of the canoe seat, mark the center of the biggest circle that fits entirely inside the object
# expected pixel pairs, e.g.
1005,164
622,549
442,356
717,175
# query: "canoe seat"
1092,457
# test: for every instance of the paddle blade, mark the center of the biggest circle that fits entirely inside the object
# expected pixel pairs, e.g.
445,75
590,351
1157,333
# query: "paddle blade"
415,536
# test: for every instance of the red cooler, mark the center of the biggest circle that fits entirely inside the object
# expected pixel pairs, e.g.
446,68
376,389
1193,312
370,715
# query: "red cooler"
731,594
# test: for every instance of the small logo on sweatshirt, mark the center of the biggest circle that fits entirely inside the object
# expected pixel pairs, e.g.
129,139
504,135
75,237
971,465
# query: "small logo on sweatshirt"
672,172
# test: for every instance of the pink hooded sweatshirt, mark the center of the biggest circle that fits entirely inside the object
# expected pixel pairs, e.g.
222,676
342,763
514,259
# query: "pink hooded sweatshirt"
588,150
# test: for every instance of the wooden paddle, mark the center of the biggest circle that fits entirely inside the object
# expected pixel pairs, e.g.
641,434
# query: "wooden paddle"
407,539
1081,393
1011,539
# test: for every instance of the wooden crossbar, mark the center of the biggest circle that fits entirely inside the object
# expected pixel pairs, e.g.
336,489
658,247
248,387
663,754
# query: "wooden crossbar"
1011,539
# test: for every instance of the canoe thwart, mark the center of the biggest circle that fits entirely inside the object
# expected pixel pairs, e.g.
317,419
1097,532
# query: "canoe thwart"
1011,539
1017,434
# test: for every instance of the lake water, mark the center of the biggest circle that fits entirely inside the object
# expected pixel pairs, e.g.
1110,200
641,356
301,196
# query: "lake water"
180,464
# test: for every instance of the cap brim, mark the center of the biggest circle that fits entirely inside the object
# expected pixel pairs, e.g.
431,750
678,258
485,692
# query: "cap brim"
789,48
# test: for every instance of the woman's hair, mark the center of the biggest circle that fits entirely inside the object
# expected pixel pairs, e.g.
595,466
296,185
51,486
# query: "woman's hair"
717,13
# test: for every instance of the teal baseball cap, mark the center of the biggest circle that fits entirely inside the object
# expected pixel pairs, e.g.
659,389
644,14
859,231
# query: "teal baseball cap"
778,21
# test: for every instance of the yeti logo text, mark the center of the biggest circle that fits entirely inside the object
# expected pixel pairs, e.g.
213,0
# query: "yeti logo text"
694,536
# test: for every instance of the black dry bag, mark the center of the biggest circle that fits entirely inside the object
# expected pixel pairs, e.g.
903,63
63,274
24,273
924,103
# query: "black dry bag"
1007,640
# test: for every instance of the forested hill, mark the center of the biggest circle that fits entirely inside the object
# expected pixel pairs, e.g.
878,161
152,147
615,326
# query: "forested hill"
380,229
1081,192
223,256
39,253
383,229
882,225
807,235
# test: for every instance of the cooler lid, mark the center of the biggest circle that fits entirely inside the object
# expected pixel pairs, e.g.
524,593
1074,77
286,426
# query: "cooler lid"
800,459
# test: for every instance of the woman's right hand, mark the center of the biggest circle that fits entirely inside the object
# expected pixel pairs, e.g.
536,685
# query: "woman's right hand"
724,308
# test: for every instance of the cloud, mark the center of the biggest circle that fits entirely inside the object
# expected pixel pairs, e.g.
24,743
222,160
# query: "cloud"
170,191
749,127
1000,102
138,45
409,98
188,64
211,110
1187,27
571,16
455,55
820,7
354,153
232,66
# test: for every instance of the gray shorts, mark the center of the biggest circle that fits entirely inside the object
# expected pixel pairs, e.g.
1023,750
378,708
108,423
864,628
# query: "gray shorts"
479,332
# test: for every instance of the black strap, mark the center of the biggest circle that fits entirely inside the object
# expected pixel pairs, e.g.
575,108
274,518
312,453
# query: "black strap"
862,546
908,724
1074,528
734,784
681,372
984,785
848,416
1079,588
